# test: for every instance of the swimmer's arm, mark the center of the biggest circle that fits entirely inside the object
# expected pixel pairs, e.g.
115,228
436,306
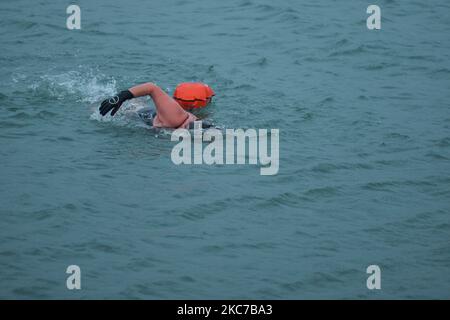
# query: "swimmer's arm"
140,90
113,104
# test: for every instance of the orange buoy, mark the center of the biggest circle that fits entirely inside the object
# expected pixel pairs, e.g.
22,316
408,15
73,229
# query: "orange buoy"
192,95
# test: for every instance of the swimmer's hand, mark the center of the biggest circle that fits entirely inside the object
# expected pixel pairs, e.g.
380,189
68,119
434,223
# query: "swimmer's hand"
115,102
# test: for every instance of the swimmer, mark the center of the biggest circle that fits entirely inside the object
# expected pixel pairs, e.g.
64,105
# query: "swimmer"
170,112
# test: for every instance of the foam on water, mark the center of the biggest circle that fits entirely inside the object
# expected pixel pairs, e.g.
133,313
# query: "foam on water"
84,86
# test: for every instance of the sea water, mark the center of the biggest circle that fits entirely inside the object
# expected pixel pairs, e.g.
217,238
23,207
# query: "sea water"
363,179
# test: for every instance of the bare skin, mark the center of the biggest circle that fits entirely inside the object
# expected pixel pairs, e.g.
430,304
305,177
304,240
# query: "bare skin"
169,114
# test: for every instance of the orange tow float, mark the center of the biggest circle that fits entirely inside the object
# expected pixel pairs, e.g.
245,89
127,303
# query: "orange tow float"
193,95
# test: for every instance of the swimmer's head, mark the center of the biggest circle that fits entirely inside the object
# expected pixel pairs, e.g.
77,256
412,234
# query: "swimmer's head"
193,95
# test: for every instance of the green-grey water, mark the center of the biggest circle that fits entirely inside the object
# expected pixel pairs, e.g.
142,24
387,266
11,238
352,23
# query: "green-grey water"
364,151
